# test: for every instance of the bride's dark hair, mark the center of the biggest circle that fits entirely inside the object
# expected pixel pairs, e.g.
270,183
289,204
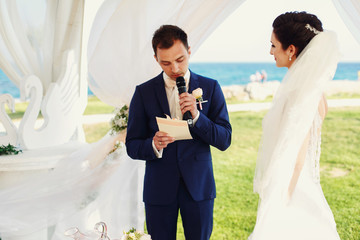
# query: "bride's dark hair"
289,28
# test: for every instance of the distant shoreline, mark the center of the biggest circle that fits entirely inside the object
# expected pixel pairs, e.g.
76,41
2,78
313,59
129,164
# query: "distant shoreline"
241,91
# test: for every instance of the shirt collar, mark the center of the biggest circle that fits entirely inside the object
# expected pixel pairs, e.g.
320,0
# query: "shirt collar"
169,83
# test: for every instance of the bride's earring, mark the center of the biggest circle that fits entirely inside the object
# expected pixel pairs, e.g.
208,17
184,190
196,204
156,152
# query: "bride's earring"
290,58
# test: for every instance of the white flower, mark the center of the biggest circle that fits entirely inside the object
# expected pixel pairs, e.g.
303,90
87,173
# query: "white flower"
197,93
124,237
134,234
145,237
120,121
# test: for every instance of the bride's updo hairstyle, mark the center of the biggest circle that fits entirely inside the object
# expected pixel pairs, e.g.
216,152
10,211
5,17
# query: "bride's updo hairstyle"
297,28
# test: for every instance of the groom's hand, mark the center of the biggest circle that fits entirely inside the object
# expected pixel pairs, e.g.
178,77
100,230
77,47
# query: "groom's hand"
188,103
162,139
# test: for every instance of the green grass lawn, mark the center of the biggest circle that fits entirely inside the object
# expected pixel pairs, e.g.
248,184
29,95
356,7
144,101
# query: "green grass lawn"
94,106
236,204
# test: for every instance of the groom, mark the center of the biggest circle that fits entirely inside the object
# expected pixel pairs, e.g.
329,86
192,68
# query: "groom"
179,174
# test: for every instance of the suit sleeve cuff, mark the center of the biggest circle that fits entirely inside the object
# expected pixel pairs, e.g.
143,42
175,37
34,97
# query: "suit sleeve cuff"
158,154
196,118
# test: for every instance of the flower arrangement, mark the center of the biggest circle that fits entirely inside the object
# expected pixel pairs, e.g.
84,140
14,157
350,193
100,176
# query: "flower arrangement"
9,150
117,124
119,121
134,234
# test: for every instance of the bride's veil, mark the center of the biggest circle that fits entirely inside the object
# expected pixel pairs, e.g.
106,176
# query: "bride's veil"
292,112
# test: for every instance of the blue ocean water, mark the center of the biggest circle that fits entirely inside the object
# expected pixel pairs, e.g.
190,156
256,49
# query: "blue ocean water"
226,73
239,73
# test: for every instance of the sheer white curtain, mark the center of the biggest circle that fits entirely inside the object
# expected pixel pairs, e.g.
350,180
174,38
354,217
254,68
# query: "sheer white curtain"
34,36
349,10
120,52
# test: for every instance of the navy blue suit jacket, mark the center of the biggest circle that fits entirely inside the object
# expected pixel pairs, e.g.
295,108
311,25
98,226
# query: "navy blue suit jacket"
189,159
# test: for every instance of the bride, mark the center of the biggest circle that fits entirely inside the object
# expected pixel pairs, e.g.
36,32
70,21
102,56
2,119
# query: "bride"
287,176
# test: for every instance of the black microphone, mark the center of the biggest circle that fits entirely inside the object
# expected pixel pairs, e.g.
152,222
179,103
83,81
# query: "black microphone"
180,83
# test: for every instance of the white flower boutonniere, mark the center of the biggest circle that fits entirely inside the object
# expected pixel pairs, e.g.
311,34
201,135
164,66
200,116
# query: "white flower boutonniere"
197,93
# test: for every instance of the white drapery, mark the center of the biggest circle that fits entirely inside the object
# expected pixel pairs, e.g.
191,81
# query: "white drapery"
349,10
100,192
33,39
120,52
86,186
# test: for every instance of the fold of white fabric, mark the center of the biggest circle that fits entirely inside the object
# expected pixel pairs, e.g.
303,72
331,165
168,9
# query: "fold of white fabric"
349,10
84,188
120,53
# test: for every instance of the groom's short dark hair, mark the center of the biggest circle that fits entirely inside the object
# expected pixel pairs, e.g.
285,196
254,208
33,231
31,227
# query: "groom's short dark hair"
166,35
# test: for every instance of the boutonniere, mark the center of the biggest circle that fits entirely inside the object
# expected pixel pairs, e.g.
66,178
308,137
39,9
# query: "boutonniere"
197,93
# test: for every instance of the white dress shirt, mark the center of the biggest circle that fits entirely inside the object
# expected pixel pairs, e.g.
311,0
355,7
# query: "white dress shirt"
172,94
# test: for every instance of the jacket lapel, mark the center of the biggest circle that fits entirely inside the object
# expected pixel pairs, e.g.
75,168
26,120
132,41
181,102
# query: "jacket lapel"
161,94
194,83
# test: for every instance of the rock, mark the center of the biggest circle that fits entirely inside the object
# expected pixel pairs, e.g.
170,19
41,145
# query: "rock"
235,91
260,91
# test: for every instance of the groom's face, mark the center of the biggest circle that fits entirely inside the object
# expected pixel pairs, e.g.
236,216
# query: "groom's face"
174,61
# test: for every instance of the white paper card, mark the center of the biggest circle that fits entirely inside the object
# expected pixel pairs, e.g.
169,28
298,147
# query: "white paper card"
175,128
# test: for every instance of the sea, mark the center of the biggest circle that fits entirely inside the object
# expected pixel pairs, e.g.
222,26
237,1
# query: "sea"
227,74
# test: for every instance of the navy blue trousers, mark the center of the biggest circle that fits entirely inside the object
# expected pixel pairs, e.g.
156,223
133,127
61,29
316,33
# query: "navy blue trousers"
197,217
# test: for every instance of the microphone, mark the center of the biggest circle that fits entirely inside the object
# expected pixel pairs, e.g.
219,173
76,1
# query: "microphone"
180,83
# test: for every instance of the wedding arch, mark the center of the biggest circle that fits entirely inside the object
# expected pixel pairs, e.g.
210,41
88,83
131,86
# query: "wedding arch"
52,51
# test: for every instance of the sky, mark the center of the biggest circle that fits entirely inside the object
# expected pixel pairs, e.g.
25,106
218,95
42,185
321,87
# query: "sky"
245,35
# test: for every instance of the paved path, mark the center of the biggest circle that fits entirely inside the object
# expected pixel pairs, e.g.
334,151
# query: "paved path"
92,119
264,106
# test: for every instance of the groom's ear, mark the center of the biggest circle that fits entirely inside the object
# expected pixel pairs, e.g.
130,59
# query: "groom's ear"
155,57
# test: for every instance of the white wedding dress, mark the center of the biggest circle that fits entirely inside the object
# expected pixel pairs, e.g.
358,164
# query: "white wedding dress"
306,215
292,205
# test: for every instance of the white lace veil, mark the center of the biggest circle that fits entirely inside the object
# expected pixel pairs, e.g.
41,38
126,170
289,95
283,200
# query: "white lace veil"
293,109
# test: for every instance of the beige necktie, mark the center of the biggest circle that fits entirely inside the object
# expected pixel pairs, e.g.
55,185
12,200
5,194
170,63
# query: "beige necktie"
172,94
